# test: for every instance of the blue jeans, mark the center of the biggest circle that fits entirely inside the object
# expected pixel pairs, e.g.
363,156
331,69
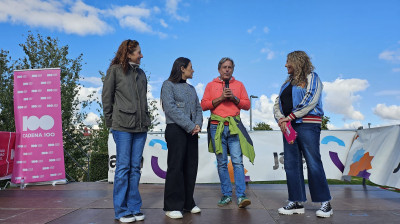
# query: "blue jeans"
126,195
307,145
231,142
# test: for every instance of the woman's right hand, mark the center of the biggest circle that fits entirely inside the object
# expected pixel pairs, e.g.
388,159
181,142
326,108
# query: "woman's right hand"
282,124
196,130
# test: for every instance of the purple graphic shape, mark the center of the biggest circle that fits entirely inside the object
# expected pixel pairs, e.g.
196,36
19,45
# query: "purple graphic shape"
247,179
156,169
364,174
335,159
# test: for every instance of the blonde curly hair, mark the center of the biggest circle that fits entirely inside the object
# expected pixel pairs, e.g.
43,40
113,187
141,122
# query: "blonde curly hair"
302,67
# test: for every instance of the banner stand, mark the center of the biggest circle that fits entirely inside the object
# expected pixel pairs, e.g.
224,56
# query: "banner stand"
54,183
6,177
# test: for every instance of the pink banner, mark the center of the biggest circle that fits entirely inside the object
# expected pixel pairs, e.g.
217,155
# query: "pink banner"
39,152
7,149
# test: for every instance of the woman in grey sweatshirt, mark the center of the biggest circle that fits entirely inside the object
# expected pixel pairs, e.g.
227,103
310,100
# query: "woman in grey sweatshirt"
184,118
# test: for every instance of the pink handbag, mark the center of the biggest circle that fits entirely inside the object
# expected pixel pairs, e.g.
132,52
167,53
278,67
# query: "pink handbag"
290,134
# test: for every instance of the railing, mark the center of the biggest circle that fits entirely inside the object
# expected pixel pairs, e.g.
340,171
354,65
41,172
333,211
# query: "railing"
87,170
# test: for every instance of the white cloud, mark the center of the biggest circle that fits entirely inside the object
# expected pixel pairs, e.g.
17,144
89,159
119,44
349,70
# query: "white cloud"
172,9
163,23
73,17
93,80
388,93
251,30
392,56
262,111
200,90
76,17
84,92
91,119
331,126
156,9
387,112
340,97
266,29
352,125
132,17
270,53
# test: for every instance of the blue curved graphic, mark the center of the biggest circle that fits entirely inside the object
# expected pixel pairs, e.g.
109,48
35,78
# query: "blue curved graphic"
158,141
331,138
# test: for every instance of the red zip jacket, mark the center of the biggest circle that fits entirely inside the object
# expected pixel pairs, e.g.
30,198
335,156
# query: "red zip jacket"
226,108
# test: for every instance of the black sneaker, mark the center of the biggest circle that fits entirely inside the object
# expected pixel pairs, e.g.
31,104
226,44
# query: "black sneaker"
127,218
325,211
292,208
139,216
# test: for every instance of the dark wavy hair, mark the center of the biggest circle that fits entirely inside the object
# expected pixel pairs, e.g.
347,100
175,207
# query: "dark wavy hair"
176,72
302,67
121,57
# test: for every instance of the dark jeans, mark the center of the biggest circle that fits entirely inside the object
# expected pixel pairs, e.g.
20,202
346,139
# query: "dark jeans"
183,158
307,145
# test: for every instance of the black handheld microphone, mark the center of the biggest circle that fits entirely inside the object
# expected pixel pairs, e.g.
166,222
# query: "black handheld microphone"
226,83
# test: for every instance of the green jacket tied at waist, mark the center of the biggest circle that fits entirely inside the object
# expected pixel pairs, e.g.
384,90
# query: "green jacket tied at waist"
245,143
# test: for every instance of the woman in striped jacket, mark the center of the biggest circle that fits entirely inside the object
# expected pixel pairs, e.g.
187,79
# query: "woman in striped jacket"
299,102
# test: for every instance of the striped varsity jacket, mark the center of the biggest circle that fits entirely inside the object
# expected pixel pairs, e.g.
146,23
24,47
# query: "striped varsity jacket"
307,102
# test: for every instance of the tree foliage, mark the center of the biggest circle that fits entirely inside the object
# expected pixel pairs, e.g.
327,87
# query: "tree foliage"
6,92
46,52
325,121
262,126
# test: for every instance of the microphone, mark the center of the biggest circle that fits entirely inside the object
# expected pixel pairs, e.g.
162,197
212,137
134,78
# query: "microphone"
226,83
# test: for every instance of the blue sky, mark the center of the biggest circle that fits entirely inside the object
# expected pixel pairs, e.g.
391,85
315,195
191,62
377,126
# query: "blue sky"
354,46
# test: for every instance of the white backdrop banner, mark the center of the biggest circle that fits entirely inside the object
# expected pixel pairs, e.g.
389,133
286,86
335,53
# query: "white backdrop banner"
375,155
268,164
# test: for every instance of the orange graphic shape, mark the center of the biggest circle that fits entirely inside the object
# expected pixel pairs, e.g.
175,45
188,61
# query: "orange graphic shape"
363,164
230,169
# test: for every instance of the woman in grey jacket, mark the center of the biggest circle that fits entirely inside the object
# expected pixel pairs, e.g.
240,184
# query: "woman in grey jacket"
126,113
184,119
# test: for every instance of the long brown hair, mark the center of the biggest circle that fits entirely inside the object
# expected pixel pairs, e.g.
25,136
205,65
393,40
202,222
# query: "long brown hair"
121,57
302,67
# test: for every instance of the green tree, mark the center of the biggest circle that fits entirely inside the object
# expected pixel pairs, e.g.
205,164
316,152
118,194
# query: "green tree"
45,52
153,109
325,121
262,126
6,92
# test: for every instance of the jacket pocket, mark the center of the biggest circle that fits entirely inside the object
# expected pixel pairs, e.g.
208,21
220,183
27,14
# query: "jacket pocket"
127,118
146,119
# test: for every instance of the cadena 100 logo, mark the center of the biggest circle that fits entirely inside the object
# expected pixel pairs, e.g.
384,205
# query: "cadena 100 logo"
32,123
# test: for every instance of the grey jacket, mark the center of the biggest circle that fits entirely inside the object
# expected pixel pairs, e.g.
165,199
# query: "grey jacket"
181,105
124,99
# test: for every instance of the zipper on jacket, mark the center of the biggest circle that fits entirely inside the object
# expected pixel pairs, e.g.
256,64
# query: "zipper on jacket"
140,105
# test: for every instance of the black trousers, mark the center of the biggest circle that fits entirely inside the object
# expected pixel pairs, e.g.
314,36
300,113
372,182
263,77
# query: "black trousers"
183,159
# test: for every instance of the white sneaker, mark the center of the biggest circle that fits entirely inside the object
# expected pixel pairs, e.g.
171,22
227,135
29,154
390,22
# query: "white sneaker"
127,218
292,208
325,211
139,216
174,214
195,210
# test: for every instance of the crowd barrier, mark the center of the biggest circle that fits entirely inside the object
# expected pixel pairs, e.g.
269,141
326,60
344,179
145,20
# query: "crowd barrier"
371,153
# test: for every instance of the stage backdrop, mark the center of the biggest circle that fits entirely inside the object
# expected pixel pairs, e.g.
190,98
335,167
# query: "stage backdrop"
7,149
39,154
375,155
268,164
